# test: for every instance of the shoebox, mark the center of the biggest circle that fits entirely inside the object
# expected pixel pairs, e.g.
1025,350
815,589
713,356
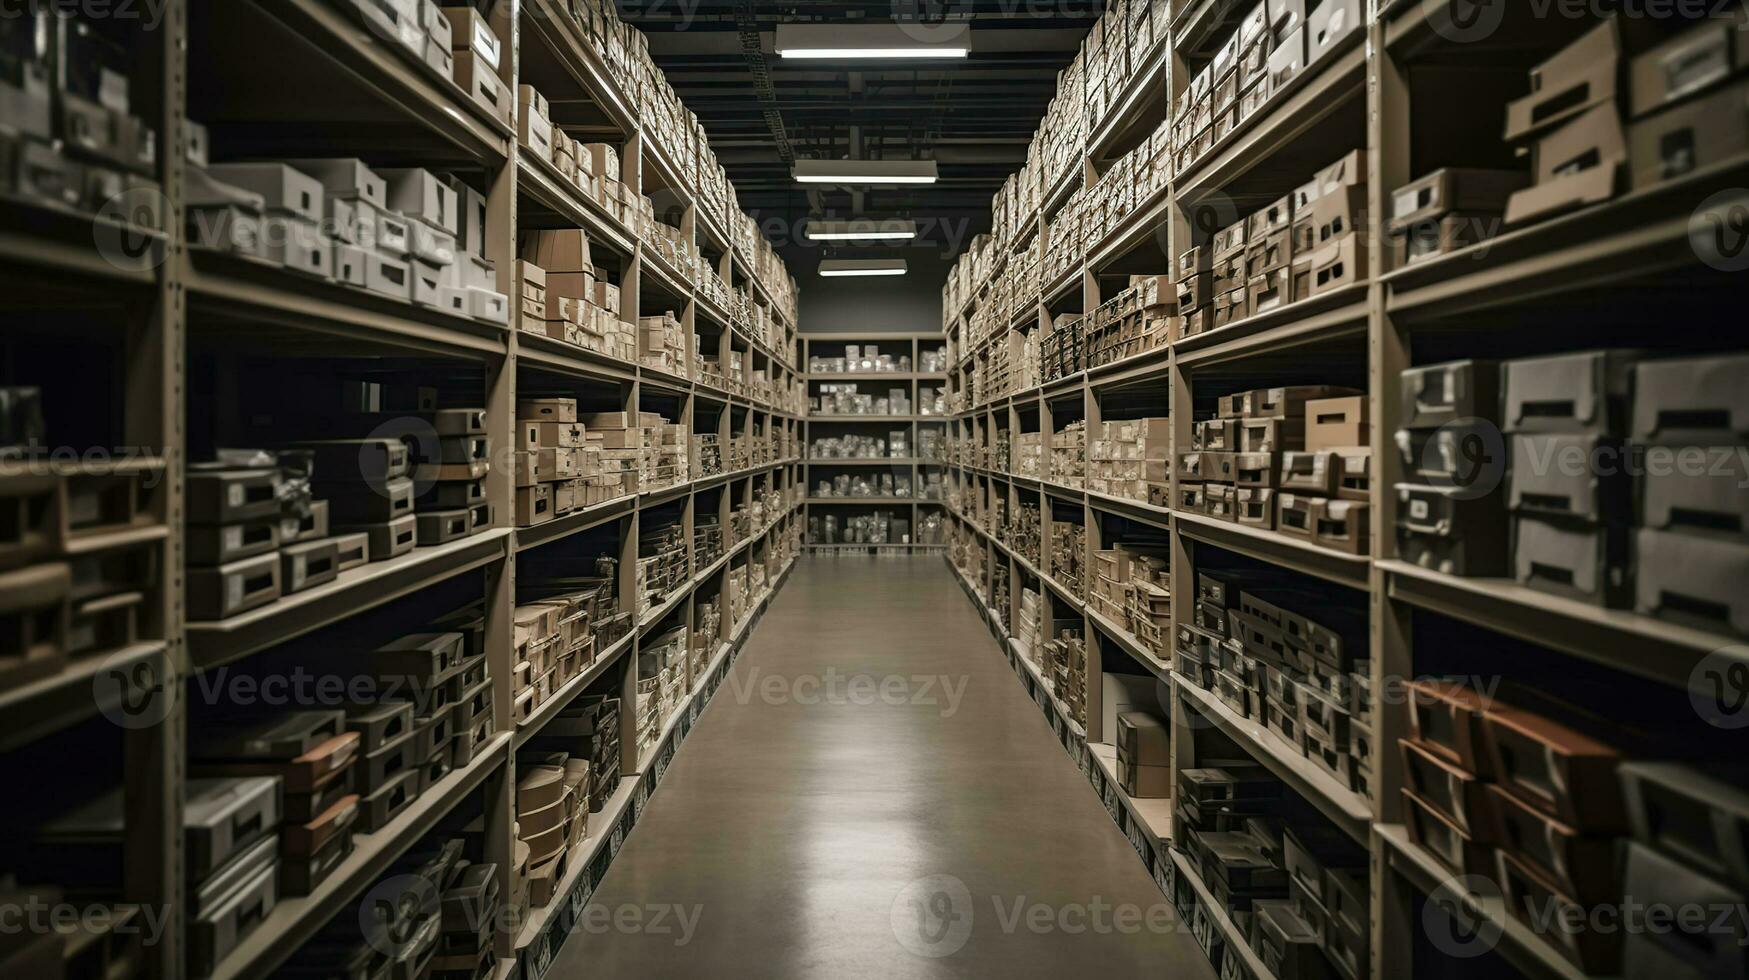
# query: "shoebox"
1339,264
1698,401
1581,392
1439,394
418,193
1690,136
1576,165
1328,24
345,178
1337,423
1578,78
1572,559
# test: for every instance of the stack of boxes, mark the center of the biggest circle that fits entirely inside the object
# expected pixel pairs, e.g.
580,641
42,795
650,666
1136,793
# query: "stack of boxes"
243,516
550,817
1069,454
1580,428
1144,756
662,344
707,453
1255,644
662,565
1065,666
1030,630
707,636
1298,890
1132,586
65,599
1549,836
587,732
1447,210
661,684
469,906
664,463
403,233
1293,460
1132,459
1028,454
1312,242
552,460
558,629
1025,532
1570,126
1068,551
71,140
567,299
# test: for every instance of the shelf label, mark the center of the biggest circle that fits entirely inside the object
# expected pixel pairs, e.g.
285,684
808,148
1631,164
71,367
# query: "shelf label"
542,953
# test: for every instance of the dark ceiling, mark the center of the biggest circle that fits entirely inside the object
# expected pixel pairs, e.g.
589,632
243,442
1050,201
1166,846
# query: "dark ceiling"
973,117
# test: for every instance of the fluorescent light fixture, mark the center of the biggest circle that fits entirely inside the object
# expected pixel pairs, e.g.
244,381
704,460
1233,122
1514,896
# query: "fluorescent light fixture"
862,229
865,171
950,39
841,268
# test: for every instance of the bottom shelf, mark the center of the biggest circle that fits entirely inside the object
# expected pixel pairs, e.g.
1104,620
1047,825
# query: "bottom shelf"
1230,933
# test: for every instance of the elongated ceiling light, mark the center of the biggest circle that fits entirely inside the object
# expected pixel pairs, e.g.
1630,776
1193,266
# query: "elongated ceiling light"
844,268
951,39
865,171
861,229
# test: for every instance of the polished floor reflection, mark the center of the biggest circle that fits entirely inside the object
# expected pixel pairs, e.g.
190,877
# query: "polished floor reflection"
872,794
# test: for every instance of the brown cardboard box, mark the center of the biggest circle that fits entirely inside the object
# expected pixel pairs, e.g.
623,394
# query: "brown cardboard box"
1195,291
1683,66
1593,142
558,250
1443,235
1296,515
1689,137
1453,189
534,505
1229,241
1337,423
1342,525
1354,476
1268,253
1268,220
1339,264
1271,290
1339,212
1255,507
1577,79
1309,472
1349,171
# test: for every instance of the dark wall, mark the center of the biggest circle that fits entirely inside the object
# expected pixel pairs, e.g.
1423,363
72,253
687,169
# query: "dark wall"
911,302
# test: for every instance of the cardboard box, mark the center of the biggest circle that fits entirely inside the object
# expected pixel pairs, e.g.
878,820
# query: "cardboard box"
481,82
1337,423
418,193
1682,66
1340,211
1329,24
345,178
1338,265
1287,61
1692,578
1296,514
1453,189
470,32
1689,137
1270,290
1440,394
1342,525
283,189
1451,531
1692,401
1576,165
1582,392
1585,563
1577,79
1443,235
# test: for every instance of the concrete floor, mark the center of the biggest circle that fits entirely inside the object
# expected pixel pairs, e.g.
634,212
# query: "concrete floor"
834,815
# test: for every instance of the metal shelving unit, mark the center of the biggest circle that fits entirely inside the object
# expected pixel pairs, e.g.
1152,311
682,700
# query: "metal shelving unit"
911,466
378,103
1459,304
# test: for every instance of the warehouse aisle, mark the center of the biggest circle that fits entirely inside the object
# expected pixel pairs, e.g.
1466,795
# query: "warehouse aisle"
872,794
